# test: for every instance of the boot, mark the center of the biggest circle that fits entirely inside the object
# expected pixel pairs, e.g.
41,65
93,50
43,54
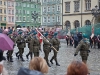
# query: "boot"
8,58
48,64
22,58
18,57
57,64
17,54
11,59
51,61
31,55
27,56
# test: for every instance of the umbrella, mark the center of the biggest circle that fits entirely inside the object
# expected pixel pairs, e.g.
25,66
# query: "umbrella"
5,42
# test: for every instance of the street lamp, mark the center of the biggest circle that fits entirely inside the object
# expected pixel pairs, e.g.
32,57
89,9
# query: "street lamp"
34,16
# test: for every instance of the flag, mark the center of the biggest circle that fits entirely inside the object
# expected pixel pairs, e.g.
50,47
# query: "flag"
39,36
92,32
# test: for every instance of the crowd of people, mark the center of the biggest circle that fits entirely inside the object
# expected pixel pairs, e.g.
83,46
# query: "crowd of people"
50,42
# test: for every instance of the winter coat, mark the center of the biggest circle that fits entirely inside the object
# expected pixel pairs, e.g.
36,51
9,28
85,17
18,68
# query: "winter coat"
26,71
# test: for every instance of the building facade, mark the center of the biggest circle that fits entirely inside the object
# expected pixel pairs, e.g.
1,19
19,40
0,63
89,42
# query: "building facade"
77,13
24,10
3,13
51,11
10,15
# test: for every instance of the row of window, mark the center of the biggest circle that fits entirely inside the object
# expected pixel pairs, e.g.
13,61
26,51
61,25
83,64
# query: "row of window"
26,19
3,11
26,12
51,19
51,8
10,3
50,0
2,18
11,12
77,5
1,3
26,5
76,23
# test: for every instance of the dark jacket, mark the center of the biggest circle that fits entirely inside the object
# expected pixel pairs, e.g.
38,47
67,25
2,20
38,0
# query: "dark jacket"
26,71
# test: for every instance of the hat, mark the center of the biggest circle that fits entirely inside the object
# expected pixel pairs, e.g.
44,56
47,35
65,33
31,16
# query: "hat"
45,34
1,56
20,32
55,34
26,71
29,33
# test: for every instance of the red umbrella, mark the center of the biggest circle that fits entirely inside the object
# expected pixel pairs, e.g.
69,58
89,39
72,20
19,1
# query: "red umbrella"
5,42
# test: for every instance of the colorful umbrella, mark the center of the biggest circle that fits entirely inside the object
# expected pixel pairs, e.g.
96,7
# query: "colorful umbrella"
5,42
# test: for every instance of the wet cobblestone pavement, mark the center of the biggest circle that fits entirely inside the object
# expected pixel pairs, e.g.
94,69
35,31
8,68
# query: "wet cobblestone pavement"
65,56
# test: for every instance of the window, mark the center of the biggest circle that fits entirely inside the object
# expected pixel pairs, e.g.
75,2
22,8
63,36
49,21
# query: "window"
44,9
4,3
0,18
16,18
16,3
0,2
58,8
58,18
67,6
24,18
48,9
28,12
76,6
44,0
16,11
48,19
9,19
8,3
35,6
76,24
20,11
23,11
0,10
53,19
88,4
28,5
53,8
44,19
87,22
9,11
5,11
20,18
67,24
12,19
13,12
12,3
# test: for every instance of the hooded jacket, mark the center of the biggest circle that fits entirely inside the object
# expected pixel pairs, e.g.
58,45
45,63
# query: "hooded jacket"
25,71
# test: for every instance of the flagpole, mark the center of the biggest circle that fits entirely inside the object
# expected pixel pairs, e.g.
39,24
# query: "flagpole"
47,40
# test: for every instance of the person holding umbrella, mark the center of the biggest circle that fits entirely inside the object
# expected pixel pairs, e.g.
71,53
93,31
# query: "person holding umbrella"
10,52
21,44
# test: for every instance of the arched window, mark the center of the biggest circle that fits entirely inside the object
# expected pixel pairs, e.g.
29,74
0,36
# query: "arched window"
76,24
87,22
67,24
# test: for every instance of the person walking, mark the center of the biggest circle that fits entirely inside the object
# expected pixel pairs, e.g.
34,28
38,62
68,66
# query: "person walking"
46,47
28,40
35,44
56,44
10,52
21,44
83,47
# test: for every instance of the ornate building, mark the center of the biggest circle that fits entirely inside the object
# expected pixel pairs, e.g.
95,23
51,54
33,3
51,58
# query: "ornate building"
77,13
51,11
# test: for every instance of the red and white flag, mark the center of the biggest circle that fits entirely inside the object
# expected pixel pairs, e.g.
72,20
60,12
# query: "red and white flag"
39,36
92,32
